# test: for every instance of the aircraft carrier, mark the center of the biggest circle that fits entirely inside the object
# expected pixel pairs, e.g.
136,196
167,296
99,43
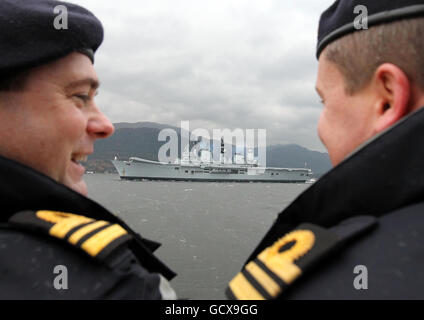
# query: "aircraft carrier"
192,168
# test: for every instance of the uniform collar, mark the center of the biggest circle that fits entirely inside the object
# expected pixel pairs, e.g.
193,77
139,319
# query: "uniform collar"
383,175
23,188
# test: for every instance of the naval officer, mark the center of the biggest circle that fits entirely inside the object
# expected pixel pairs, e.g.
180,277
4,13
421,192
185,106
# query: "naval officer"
358,233
55,243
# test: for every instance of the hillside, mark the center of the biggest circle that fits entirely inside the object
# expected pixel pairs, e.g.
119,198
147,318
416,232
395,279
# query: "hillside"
141,140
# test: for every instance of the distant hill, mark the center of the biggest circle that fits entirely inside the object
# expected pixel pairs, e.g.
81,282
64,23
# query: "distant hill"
293,155
126,142
141,140
138,125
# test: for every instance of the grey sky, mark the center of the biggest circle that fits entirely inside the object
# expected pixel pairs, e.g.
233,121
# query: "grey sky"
218,63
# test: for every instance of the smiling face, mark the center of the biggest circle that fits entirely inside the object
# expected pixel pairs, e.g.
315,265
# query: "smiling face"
346,120
52,123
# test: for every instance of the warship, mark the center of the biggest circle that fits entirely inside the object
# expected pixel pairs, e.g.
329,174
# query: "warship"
192,168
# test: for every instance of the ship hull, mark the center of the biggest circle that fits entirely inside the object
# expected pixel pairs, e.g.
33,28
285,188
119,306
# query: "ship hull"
151,170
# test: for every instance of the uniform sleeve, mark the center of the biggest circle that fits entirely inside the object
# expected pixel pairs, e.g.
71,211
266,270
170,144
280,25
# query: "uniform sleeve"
135,282
34,266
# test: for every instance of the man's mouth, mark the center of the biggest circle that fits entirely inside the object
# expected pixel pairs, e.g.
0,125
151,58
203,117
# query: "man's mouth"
77,168
75,172
79,158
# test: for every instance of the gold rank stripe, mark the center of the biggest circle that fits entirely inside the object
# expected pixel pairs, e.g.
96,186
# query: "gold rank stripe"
95,244
63,222
283,268
263,279
243,290
77,235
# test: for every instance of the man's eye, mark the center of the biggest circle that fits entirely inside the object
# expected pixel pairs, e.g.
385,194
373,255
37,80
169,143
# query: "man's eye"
83,97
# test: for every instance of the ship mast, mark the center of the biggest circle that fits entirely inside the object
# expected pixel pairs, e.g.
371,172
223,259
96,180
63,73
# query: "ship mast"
222,150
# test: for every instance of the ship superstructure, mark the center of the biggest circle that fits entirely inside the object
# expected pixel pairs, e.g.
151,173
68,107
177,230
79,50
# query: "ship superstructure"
193,168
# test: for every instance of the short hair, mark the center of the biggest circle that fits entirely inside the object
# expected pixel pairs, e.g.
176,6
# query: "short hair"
359,54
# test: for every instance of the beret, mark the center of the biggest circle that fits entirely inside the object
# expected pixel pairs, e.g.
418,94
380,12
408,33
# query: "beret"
338,20
29,38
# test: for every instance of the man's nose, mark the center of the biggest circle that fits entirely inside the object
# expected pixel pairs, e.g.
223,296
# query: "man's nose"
100,126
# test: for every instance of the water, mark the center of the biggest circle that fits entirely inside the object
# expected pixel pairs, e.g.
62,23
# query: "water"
207,229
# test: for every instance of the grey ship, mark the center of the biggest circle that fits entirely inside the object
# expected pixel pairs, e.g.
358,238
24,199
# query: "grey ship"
191,168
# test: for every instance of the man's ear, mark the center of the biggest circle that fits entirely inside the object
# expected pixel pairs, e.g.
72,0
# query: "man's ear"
394,94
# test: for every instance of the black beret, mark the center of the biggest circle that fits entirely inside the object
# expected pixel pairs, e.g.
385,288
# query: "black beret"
338,20
29,38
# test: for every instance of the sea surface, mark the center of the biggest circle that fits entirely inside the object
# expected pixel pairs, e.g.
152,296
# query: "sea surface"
207,229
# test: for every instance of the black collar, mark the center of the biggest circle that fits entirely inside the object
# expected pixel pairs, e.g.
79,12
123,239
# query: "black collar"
384,175
22,188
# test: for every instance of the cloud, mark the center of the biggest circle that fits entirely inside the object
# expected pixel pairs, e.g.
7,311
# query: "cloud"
220,64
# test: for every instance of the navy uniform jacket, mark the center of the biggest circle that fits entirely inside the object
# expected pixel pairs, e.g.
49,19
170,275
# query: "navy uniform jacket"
357,233
45,226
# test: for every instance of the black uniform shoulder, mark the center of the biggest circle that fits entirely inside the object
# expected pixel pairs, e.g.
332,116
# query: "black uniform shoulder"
55,255
392,257
312,262
96,238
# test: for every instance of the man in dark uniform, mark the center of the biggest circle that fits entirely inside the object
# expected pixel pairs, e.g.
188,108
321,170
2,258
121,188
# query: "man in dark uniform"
54,242
358,233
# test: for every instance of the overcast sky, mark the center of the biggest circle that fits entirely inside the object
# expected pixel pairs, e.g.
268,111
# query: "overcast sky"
218,63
